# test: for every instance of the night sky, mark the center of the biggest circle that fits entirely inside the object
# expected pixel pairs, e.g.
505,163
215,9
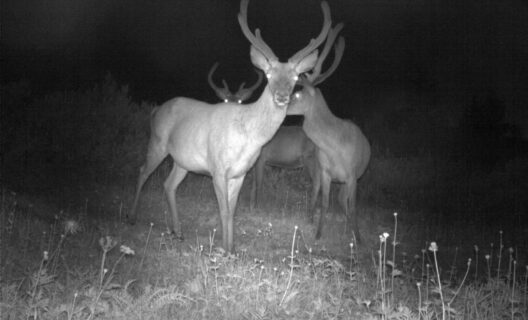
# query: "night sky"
439,52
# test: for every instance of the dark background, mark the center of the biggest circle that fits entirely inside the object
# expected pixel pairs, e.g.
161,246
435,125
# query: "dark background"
444,52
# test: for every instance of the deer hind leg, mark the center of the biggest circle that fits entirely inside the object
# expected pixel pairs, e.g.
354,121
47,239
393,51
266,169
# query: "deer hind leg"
256,185
316,187
352,205
342,198
171,185
154,157
325,189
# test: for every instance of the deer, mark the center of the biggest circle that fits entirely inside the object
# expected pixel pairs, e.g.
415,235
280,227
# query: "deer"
289,147
342,150
226,95
224,140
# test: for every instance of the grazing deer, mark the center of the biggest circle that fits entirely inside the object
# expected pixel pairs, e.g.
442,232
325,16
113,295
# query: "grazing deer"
289,147
224,140
343,152
226,95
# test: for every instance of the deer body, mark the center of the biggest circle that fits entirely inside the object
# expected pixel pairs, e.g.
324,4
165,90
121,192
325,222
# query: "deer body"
224,140
343,151
289,148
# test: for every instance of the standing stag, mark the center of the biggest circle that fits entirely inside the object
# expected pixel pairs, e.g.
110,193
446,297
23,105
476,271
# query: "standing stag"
224,140
343,152
289,147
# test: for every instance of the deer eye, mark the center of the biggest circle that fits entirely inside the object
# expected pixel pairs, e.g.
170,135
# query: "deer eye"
268,75
239,101
295,78
226,101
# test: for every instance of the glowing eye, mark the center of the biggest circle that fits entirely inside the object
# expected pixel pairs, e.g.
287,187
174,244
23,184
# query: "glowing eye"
268,75
226,101
239,101
296,78
297,95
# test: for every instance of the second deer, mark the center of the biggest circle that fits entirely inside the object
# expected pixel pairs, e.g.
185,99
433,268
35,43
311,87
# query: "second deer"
343,151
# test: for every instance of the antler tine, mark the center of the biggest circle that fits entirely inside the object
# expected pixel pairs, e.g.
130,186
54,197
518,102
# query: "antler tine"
259,81
226,87
211,82
339,49
332,34
245,93
314,43
257,40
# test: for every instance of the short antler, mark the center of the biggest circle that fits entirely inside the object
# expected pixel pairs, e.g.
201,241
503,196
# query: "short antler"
245,93
255,39
222,93
314,43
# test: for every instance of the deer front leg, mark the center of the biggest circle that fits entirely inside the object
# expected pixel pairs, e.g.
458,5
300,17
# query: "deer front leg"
233,190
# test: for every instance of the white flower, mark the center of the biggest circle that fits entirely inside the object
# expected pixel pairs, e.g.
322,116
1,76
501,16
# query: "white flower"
433,247
126,250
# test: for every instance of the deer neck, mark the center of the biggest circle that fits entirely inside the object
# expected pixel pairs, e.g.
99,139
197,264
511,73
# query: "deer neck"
320,123
263,118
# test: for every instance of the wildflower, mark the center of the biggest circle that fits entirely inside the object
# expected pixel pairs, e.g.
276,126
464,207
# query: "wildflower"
126,250
45,256
105,270
510,250
418,284
71,226
433,247
476,248
151,224
395,214
107,243
385,235
487,257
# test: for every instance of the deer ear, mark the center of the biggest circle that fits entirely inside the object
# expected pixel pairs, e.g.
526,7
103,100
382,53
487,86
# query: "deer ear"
259,60
307,63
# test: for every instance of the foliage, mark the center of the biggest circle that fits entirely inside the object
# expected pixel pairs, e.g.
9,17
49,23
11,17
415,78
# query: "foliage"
88,132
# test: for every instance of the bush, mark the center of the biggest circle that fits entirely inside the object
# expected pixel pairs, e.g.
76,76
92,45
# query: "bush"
92,133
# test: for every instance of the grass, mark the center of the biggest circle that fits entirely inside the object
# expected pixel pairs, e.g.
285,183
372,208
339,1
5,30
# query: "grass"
78,268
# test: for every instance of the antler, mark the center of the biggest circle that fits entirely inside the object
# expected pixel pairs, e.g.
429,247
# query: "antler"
338,54
245,93
222,93
314,43
255,39
314,76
